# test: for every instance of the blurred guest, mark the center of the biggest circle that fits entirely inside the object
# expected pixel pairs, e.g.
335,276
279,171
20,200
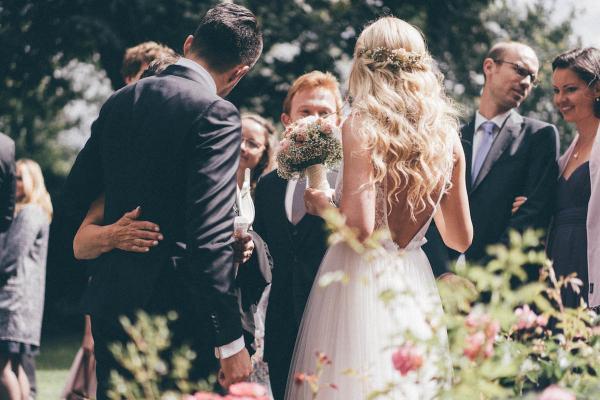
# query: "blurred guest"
159,64
574,239
142,60
508,155
297,240
23,269
139,57
7,181
256,151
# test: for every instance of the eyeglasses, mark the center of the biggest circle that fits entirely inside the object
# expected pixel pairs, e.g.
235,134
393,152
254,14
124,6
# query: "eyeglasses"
522,71
251,144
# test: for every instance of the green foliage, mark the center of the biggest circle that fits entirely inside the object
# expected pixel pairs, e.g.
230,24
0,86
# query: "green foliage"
40,38
150,375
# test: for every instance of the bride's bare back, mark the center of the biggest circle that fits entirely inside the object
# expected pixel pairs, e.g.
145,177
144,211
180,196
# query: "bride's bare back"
402,226
359,199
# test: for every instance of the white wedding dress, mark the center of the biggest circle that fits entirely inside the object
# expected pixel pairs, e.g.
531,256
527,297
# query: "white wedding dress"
352,325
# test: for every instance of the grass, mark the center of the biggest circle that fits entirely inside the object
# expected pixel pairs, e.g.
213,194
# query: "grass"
53,363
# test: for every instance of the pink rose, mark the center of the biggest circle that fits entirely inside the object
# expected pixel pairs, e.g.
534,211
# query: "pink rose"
555,392
406,358
474,343
325,127
301,137
249,389
526,317
492,330
476,320
284,145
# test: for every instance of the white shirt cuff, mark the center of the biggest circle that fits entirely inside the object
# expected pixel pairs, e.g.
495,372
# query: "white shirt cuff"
230,349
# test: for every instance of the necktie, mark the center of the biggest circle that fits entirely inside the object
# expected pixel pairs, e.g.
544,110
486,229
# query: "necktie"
298,207
484,147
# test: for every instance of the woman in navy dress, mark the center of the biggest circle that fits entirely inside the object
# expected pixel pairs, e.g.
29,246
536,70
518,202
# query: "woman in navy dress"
576,86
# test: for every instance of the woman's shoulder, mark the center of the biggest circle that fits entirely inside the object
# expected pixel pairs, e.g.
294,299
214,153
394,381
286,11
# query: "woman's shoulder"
32,212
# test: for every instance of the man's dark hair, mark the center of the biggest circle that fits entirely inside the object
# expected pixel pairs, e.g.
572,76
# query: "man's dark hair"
228,35
586,64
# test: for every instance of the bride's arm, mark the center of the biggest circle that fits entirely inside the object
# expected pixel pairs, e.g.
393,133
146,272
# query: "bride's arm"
93,239
358,191
453,218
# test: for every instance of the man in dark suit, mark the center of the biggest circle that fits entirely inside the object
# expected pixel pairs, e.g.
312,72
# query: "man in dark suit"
297,241
170,144
7,181
508,156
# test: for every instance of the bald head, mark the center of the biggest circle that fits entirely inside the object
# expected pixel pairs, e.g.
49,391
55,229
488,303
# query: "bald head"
500,50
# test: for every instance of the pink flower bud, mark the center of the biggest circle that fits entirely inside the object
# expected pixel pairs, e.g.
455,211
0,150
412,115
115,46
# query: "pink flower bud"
555,392
407,358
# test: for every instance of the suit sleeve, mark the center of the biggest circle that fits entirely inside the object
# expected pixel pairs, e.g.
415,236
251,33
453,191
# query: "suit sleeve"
7,186
540,183
210,202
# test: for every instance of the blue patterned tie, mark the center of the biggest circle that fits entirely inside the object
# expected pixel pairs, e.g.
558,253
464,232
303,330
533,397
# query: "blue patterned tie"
484,147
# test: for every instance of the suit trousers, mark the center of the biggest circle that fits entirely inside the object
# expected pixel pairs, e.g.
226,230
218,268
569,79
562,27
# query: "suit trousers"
188,329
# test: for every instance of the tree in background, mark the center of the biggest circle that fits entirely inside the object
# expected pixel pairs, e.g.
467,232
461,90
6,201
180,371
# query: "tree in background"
57,52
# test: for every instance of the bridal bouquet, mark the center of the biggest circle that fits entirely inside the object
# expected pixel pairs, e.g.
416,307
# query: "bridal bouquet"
308,147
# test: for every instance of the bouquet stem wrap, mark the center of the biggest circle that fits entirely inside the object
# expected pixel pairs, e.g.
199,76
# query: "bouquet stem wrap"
317,177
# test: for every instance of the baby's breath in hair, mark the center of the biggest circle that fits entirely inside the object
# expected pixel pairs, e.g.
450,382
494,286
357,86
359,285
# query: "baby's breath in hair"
396,59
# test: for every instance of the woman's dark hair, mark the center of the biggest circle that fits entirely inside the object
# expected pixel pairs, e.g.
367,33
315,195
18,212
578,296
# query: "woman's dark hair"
264,163
228,35
586,64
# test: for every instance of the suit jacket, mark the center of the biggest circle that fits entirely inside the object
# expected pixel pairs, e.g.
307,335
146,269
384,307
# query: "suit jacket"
521,162
7,181
171,146
297,251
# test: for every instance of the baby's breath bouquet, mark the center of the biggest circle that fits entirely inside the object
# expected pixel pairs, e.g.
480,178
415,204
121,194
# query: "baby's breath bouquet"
308,146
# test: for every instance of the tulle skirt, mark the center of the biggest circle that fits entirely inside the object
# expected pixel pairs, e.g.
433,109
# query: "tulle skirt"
372,305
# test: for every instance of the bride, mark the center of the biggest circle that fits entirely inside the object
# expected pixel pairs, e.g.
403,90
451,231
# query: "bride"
404,166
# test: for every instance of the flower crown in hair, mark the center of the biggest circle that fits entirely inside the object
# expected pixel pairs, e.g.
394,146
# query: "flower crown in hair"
397,59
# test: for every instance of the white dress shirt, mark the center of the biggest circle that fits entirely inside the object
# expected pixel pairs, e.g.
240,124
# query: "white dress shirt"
479,120
237,345
186,62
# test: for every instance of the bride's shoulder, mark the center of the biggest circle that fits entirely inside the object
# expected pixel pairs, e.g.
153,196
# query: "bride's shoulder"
352,132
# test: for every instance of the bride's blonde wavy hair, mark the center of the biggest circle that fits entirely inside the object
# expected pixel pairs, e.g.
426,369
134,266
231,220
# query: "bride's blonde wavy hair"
409,123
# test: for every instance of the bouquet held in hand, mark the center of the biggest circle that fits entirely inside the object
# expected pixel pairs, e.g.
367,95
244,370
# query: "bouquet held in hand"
309,146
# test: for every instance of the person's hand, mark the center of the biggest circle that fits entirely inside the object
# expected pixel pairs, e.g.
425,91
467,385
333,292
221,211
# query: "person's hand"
317,201
519,200
236,368
243,246
129,234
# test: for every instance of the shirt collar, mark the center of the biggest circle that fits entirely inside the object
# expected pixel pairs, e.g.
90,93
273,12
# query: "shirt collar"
498,119
194,66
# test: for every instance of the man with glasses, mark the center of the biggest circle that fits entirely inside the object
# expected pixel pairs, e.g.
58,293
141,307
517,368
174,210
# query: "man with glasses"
508,156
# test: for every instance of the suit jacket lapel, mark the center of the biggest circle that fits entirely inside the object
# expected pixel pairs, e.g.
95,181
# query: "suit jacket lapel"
508,132
467,133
